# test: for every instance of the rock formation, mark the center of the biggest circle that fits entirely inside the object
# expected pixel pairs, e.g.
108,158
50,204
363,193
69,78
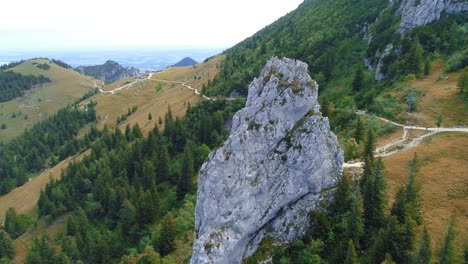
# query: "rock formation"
110,71
278,161
415,13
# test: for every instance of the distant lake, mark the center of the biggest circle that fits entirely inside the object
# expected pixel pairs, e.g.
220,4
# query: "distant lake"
140,58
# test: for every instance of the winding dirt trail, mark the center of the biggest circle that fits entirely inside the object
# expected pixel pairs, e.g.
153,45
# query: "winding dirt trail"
149,78
404,143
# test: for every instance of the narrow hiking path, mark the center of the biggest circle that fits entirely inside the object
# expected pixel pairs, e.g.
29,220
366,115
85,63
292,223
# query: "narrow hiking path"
389,149
195,90
404,143
149,78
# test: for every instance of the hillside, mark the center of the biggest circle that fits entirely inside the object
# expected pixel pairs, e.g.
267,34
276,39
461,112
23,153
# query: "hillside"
38,103
151,96
187,61
131,196
109,72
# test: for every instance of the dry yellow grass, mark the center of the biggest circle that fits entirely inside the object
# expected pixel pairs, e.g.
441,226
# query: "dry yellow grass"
67,86
149,100
195,76
443,176
24,198
437,96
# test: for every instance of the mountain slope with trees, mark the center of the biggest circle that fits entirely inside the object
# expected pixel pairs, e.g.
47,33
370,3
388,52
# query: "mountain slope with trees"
65,87
132,203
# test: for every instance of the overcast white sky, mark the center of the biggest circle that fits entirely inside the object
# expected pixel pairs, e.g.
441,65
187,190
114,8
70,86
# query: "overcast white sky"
61,24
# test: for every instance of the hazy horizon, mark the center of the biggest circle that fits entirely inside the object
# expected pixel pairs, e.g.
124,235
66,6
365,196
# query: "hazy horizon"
54,24
143,58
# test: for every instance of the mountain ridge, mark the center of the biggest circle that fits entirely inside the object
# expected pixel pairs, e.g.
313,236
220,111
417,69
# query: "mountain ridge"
109,72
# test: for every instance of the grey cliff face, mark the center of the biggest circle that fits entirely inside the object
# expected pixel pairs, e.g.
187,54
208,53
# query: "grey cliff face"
415,15
279,159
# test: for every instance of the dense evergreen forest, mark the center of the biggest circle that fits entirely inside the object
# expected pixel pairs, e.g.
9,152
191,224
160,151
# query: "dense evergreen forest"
13,84
44,145
126,184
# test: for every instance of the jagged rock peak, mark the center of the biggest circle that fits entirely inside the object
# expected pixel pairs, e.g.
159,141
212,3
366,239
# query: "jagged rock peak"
272,170
415,13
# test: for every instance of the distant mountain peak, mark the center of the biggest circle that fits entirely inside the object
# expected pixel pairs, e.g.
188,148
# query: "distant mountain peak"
187,61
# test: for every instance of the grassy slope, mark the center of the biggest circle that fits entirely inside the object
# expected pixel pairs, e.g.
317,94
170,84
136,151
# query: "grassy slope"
443,176
149,100
443,158
433,96
24,198
38,103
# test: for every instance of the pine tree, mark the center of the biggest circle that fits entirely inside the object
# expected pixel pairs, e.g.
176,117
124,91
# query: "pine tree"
355,223
427,67
370,146
150,116
167,235
400,239
350,152
374,197
351,255
15,226
342,199
412,196
447,251
424,252
414,58
359,131
378,248
136,131
185,184
7,249
163,166
358,81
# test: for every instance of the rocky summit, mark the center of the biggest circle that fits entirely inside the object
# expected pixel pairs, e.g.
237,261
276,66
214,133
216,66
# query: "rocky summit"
109,72
279,160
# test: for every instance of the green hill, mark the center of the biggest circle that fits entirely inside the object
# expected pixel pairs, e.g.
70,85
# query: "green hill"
34,105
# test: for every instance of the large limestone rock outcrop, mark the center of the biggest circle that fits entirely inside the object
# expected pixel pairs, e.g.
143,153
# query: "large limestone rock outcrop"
415,13
280,157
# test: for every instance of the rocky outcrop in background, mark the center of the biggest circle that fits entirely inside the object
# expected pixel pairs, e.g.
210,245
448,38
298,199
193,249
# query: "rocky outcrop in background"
109,72
415,13
279,159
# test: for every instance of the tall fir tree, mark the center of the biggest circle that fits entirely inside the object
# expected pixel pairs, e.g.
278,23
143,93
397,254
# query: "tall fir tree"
424,252
359,131
167,235
447,251
355,223
185,184
351,255
374,197
358,80
7,249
